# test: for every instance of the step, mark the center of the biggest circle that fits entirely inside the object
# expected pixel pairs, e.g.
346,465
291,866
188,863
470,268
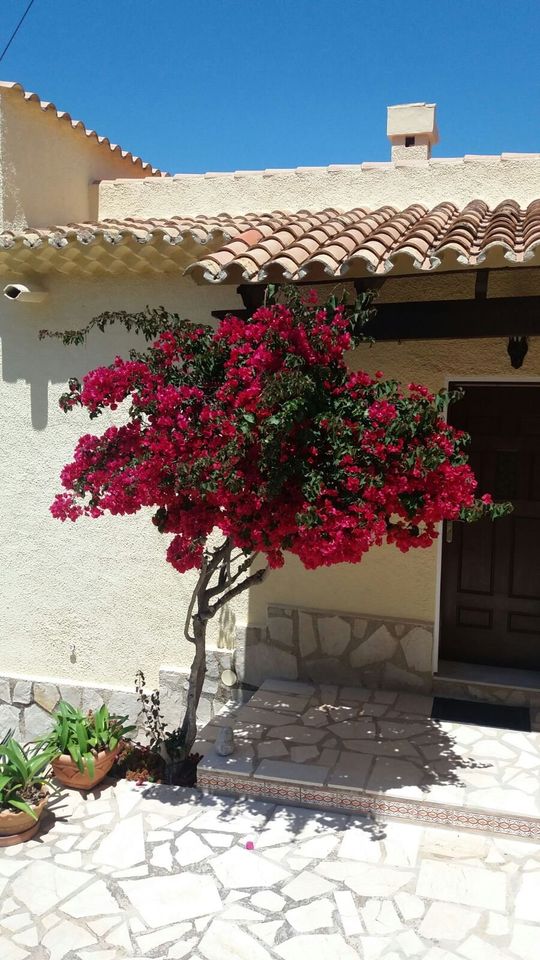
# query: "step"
375,753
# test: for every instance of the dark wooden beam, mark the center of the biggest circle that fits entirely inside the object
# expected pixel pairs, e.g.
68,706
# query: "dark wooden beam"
252,295
434,319
481,284
368,283
221,314
457,319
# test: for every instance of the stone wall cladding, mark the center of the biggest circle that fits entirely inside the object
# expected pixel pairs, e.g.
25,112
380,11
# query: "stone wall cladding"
344,649
26,704
173,686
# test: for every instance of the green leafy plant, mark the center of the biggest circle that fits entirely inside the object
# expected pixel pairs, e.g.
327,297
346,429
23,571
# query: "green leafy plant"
83,736
175,744
152,719
159,738
22,779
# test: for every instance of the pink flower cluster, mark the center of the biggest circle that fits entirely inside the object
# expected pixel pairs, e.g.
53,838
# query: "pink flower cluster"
260,429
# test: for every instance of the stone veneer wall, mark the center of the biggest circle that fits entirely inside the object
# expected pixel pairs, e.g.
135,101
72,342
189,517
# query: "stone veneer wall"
311,645
322,647
26,704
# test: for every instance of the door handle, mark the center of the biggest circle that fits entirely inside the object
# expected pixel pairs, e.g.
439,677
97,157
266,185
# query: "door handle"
449,531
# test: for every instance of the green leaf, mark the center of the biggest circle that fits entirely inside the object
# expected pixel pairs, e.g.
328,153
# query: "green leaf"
82,736
16,757
21,805
99,723
89,760
75,755
38,763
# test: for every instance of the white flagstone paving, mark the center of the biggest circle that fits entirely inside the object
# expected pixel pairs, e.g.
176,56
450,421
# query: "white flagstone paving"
315,886
366,742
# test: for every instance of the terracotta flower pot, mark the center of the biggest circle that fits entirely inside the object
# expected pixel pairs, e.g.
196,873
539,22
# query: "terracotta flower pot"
67,772
18,826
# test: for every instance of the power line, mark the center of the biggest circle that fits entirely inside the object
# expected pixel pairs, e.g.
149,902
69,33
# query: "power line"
16,30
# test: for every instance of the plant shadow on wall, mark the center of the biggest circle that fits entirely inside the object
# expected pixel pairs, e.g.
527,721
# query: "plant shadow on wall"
254,440
21,363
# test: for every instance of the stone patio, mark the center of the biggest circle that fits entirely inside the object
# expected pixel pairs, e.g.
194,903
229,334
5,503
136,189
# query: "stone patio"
376,753
162,872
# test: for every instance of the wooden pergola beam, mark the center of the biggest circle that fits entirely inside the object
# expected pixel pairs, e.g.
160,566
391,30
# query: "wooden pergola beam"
435,319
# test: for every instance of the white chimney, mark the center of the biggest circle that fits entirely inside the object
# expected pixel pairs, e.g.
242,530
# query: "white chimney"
412,131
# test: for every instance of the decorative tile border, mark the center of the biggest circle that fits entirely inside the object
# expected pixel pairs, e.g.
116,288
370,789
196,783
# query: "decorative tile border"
376,806
262,789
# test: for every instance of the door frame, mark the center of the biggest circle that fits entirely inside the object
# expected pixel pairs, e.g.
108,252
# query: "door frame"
490,381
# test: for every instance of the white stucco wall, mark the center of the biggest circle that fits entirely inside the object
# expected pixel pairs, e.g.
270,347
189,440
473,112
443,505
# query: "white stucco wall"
48,169
103,586
369,185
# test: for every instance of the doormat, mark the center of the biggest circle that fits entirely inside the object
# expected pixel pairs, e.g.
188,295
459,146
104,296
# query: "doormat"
482,714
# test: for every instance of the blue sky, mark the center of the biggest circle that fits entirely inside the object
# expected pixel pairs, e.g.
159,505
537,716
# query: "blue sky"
244,84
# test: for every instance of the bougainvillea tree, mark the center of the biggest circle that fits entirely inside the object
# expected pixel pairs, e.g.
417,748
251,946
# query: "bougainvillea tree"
253,440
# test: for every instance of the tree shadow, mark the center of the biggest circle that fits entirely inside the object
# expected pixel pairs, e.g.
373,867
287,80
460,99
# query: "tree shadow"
392,756
343,743
262,819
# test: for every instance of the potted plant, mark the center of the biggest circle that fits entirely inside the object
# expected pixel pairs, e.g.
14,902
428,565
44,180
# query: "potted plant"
83,747
23,791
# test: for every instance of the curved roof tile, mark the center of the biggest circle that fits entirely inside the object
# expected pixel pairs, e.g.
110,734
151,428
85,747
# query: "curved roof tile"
285,246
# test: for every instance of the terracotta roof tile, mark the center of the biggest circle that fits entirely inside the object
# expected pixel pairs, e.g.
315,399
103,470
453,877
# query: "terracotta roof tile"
297,246
45,105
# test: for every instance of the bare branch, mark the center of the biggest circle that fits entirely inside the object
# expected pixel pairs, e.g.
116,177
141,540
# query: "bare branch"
241,553
255,578
220,587
213,559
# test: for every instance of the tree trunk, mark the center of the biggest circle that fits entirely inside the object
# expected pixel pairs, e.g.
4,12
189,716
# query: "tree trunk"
196,680
209,600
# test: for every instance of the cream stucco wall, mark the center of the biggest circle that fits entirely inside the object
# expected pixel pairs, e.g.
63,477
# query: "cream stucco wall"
388,582
48,170
369,185
104,586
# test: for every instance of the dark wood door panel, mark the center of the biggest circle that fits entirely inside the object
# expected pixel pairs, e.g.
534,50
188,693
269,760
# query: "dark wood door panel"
524,565
475,551
490,596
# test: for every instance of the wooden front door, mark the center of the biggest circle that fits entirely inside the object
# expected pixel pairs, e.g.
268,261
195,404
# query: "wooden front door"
490,599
